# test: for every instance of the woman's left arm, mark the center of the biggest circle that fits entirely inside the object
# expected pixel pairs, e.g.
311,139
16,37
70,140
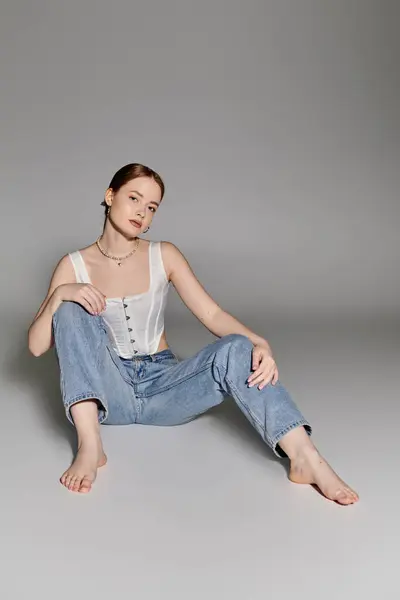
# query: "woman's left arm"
222,323
214,318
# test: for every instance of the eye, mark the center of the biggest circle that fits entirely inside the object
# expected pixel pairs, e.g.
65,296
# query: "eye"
133,197
152,208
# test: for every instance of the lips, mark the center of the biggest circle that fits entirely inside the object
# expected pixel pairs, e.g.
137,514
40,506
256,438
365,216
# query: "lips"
136,223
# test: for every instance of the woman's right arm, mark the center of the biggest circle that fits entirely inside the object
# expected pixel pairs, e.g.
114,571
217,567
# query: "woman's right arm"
63,287
40,334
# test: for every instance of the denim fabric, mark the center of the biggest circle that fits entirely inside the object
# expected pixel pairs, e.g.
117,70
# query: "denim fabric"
160,389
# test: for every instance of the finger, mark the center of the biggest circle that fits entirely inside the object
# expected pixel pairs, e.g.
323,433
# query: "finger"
88,302
94,300
101,296
266,381
255,374
261,369
94,297
255,362
257,379
272,378
87,305
269,375
100,302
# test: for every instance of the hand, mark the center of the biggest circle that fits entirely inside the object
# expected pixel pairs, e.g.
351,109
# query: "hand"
266,369
84,294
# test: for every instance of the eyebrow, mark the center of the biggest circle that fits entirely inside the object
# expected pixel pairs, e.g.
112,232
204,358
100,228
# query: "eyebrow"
141,195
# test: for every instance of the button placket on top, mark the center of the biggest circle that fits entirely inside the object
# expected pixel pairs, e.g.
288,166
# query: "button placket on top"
127,317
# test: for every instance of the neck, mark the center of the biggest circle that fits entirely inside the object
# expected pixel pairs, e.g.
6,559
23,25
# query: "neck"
115,242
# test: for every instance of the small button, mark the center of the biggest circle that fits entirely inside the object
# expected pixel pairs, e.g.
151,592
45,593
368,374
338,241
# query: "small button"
125,306
132,341
129,328
127,318
136,351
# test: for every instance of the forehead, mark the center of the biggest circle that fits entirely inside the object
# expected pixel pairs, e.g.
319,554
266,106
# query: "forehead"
146,186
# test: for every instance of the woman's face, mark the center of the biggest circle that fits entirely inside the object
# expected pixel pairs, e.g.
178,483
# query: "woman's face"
137,200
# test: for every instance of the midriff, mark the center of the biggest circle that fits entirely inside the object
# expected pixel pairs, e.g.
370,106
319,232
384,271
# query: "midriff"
163,345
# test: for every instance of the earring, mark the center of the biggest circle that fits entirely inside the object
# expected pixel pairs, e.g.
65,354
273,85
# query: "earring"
108,210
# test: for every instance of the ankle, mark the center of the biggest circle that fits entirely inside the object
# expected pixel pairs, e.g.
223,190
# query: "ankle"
304,454
297,444
90,441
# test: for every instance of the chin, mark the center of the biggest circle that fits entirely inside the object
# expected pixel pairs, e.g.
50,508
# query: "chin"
129,233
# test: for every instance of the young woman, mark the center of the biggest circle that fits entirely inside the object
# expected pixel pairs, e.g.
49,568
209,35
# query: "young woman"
104,313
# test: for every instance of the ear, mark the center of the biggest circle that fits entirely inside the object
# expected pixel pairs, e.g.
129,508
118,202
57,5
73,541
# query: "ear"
108,197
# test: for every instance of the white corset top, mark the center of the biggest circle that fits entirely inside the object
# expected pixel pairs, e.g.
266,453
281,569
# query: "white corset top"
135,323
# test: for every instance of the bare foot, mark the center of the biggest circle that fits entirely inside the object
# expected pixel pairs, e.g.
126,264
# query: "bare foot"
310,467
82,473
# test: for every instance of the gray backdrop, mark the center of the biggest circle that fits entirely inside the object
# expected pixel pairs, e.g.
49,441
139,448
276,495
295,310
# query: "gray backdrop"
275,125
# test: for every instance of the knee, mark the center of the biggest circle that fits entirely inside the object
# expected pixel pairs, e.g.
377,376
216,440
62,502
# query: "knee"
236,345
70,316
68,311
71,320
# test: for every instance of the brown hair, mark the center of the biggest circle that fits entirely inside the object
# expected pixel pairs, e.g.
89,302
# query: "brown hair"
129,172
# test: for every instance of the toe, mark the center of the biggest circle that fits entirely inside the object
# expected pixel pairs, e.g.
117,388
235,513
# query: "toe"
354,495
75,484
343,496
85,486
351,494
71,482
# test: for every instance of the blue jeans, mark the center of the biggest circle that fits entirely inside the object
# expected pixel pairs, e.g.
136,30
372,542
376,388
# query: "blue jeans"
160,389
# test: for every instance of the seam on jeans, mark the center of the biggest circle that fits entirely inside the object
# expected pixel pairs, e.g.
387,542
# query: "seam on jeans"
175,383
246,407
88,396
119,366
104,341
162,359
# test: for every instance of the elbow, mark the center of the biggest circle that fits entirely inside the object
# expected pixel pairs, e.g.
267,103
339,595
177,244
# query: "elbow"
35,353
33,349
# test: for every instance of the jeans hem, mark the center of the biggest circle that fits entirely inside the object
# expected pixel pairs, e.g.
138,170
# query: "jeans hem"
80,398
275,441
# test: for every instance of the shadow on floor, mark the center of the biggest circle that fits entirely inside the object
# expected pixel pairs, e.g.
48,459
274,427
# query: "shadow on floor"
40,377
230,417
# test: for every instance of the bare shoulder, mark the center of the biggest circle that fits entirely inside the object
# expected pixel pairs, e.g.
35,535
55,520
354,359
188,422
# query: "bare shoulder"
63,273
172,257
64,270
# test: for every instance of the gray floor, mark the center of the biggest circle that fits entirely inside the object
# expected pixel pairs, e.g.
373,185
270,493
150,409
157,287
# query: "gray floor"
204,510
